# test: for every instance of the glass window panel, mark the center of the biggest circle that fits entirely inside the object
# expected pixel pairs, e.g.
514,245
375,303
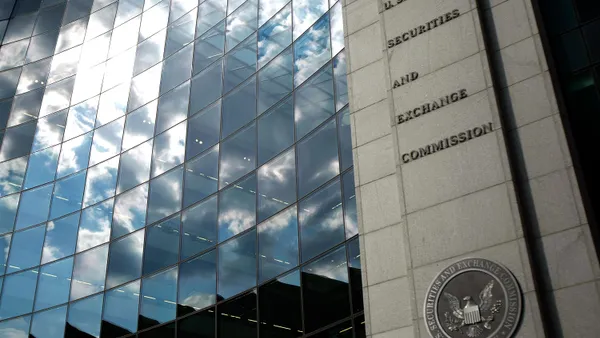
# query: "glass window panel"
49,131
135,166
42,46
275,81
144,87
337,28
18,326
238,155
34,206
26,249
169,149
204,129
275,131
237,265
107,141
23,7
197,283
125,259
325,290
17,293
13,55
119,70
61,238
26,107
94,227
350,216
232,5
306,12
239,108
590,34
89,272
53,284
11,175
181,32
237,318
241,23
345,139
17,141
4,24
354,268
101,182
173,107
130,211
84,318
71,35
201,177
209,47
49,324
280,307
98,4
42,167
177,69
120,310
314,102
67,195
587,10
49,19
180,7
165,331
317,158
210,12
81,118
77,9
8,82
570,52
34,75
101,21
57,96
321,221
124,36
19,28
341,84
237,208
342,330
112,104
150,52
162,245
165,195
74,155
240,63
199,227
276,185
312,50
139,126
4,247
206,87
154,19
8,213
278,245
127,10
199,325
275,36
268,8
88,83
159,296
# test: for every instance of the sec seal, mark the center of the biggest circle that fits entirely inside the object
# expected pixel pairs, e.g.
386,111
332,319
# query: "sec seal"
473,297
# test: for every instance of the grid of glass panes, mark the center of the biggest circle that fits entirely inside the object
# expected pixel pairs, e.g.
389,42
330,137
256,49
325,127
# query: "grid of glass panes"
167,162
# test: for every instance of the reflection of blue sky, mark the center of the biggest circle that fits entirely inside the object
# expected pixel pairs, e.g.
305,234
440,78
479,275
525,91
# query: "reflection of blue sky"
332,266
311,50
67,195
42,167
17,293
85,315
238,155
159,294
34,206
130,211
61,238
11,175
81,118
278,244
54,283
162,245
201,176
15,328
317,158
199,227
8,212
314,102
276,185
237,265
26,249
350,215
49,130
74,155
121,306
135,166
306,12
125,261
197,281
237,208
89,272
275,35
49,323
275,81
94,227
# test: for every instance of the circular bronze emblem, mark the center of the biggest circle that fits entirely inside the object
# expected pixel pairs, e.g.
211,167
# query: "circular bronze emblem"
473,297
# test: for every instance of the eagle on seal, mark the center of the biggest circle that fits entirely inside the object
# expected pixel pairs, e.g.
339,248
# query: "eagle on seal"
467,319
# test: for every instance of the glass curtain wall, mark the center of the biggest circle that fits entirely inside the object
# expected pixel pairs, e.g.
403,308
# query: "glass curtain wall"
176,168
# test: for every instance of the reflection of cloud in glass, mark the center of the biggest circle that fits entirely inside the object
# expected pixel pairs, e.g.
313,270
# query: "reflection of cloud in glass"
112,104
332,266
15,328
71,35
165,195
135,166
145,87
140,125
119,69
337,28
49,130
306,12
169,149
312,50
101,181
88,83
274,36
94,51
11,175
94,228
89,272
12,55
64,64
130,211
57,96
107,141
81,118
124,36
267,8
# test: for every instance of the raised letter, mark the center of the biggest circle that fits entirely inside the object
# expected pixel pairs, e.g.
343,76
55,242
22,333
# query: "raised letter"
405,158
455,13
390,43
396,84
463,93
400,119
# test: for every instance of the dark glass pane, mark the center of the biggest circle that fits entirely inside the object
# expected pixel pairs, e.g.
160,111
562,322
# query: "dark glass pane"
84,318
34,76
209,47
5,107
8,213
588,10
201,177
61,238
162,245
49,324
159,294
237,318
135,166
169,149
199,227
49,19
570,52
354,268
173,107
313,102
197,283
19,28
23,7
237,266
26,249
350,216
12,174
306,60
74,155
280,307
139,126
275,81
341,83
276,185
177,69
240,63
17,293
81,118
42,167
101,182
94,227
26,107
343,330
165,195
34,206
203,131
88,273
13,55
8,82
17,141
67,195
181,32
241,23
130,211
5,247
239,107
206,87
165,331
237,208
321,220
199,325
275,131
125,259
77,9
591,33
238,155
42,46
275,36
210,13
120,310
49,131
345,139
325,290
53,284
359,327
317,158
